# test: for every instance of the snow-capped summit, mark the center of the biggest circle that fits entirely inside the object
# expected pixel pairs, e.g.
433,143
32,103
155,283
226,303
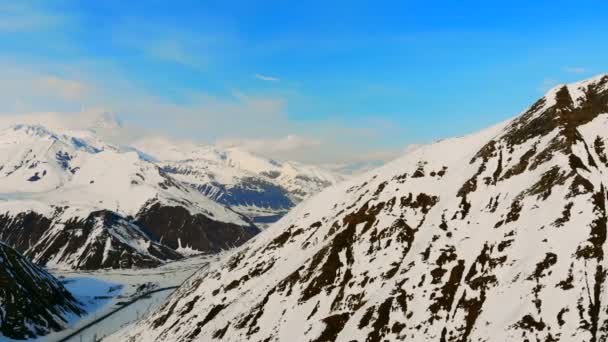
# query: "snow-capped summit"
34,130
105,120
86,204
261,188
95,123
495,236
33,158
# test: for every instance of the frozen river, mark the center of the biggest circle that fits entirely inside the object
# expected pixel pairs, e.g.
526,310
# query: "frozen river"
104,291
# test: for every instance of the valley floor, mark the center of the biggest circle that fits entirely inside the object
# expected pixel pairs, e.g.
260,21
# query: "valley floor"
104,291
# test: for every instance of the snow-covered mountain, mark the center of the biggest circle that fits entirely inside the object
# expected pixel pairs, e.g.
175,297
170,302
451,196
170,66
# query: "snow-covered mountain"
95,120
496,236
260,188
32,302
68,199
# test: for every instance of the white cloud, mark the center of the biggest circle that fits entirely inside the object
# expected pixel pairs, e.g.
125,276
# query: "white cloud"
266,78
23,16
289,143
66,88
575,70
172,50
249,120
84,119
25,89
64,93
105,124
170,43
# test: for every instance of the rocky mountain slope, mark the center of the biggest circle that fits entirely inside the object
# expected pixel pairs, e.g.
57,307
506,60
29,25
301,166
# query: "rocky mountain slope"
32,302
496,236
71,200
260,188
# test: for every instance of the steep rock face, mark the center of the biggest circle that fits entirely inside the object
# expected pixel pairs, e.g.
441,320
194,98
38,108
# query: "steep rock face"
101,240
496,236
69,200
32,302
24,230
175,226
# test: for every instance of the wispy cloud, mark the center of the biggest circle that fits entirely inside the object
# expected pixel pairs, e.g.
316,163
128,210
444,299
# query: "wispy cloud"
196,50
172,50
24,16
266,78
289,143
575,70
238,118
42,88
66,88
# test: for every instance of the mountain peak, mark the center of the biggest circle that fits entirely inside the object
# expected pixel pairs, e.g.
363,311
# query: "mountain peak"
105,120
577,90
433,246
565,108
33,130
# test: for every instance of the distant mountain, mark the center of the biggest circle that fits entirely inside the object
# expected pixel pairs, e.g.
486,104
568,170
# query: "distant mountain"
260,188
69,199
32,302
496,236
93,120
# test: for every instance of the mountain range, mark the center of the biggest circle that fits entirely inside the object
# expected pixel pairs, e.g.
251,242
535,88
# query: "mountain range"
260,188
495,236
70,199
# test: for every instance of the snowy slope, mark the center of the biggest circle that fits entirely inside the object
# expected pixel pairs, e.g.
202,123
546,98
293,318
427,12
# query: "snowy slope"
496,236
71,192
32,302
257,187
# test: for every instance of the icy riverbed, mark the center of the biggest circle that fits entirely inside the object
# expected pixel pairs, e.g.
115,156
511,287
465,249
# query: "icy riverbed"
107,290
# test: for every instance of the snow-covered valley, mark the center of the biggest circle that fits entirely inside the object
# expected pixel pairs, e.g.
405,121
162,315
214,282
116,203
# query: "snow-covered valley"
117,228
466,239
106,292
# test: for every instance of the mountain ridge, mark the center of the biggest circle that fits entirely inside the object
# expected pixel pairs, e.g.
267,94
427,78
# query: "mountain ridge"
470,238
254,186
87,204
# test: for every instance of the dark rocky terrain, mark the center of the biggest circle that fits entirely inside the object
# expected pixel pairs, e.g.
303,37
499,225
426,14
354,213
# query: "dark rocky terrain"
32,302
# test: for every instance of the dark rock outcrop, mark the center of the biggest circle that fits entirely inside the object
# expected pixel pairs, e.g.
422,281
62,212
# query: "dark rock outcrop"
175,226
32,302
103,239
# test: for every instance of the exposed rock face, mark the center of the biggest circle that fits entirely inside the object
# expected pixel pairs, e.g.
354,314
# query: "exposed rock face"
32,302
497,236
105,239
24,230
101,240
175,226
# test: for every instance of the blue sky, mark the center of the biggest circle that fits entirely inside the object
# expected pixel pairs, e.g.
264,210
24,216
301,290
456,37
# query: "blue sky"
341,82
